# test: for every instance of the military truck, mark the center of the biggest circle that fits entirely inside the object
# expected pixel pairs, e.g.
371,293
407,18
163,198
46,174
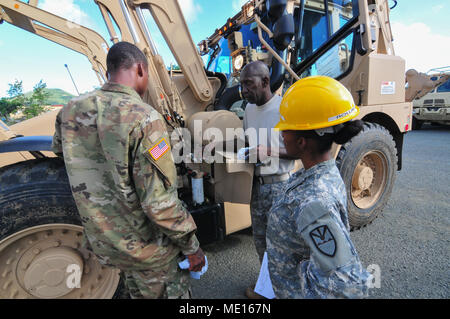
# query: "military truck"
350,40
434,107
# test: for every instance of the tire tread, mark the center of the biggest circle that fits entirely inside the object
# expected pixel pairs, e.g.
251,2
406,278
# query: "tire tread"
358,220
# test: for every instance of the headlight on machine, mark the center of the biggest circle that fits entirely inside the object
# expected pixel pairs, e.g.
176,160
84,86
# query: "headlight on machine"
238,62
250,11
203,47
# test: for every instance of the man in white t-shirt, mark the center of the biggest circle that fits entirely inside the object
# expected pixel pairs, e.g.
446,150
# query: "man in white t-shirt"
274,166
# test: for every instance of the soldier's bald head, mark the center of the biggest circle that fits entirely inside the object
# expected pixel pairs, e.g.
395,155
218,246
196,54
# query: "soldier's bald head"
256,68
123,55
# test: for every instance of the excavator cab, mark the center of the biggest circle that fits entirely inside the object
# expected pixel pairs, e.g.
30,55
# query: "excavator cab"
294,36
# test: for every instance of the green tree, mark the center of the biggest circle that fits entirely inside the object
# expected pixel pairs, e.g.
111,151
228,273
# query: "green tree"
30,106
14,102
15,90
8,106
174,67
35,105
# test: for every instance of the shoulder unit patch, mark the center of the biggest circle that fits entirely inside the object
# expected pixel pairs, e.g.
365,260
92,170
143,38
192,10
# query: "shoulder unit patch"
324,240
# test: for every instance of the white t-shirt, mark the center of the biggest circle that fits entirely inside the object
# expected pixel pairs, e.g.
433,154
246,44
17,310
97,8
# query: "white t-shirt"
265,117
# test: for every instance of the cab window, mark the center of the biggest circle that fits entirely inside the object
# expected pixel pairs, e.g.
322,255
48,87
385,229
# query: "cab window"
445,87
321,21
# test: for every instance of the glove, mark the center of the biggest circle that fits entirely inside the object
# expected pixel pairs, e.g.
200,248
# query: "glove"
194,274
243,153
196,260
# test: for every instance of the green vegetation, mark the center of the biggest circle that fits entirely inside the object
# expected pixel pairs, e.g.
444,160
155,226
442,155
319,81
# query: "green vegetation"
174,67
35,104
15,101
55,96
19,106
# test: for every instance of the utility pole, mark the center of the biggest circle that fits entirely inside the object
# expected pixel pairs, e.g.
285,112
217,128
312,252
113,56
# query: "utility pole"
67,67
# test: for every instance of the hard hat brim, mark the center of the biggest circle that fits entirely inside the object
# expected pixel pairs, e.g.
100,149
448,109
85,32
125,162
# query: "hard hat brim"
332,121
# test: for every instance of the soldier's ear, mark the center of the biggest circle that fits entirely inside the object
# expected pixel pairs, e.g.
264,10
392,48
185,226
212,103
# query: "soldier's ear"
265,81
140,70
301,142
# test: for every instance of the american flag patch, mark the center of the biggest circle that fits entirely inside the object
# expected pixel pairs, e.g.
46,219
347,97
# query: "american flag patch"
159,149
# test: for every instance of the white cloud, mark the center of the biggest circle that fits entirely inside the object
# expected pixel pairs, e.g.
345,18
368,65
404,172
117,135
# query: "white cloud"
68,10
237,5
422,48
190,9
437,8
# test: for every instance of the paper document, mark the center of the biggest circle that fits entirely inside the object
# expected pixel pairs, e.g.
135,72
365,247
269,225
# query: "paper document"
264,285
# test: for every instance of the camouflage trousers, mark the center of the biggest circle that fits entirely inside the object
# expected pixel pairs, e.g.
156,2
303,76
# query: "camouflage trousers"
263,198
171,282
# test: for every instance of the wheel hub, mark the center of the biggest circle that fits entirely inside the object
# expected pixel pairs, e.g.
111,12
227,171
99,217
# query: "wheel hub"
363,178
47,274
369,179
34,264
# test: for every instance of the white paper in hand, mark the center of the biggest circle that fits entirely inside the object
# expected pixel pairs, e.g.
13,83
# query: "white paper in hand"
264,285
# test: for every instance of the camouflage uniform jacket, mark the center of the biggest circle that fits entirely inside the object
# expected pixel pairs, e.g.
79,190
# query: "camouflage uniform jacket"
308,242
123,179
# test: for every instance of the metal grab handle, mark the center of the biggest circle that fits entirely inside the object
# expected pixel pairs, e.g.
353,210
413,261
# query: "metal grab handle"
272,51
360,45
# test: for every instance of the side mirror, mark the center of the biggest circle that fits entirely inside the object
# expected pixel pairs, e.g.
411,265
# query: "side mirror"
283,32
275,8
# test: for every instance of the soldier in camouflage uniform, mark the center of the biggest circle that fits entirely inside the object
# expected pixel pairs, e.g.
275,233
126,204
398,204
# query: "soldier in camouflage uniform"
309,249
123,179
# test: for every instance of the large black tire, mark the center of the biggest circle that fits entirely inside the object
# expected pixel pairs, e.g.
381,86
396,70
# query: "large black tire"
372,152
36,192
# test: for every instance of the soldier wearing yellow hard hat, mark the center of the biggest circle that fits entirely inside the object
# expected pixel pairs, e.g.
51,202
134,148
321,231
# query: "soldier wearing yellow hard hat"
309,249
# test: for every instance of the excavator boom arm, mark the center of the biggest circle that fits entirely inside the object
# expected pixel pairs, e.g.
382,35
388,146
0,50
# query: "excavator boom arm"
129,18
171,22
59,30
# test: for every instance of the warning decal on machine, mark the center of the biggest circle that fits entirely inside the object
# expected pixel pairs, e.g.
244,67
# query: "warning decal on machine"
387,87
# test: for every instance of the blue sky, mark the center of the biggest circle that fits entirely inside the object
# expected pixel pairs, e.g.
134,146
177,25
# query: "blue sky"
421,33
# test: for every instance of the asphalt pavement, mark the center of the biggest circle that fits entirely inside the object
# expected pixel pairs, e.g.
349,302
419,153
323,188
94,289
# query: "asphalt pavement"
408,243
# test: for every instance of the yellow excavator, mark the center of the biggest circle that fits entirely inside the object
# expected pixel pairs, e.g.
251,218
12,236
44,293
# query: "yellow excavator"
349,40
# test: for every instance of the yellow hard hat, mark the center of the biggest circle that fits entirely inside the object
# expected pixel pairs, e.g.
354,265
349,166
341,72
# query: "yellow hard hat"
316,102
